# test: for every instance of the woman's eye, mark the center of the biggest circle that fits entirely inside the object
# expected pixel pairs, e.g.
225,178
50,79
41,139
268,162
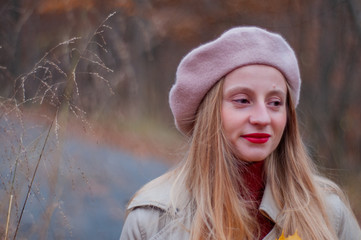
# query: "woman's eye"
241,100
276,103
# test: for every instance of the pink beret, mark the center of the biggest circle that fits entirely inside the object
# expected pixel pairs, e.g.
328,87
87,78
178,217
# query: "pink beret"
200,69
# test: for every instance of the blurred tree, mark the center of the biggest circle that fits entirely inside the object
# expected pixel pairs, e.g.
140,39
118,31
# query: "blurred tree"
149,38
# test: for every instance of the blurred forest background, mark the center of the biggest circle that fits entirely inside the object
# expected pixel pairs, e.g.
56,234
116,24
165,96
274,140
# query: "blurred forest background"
107,66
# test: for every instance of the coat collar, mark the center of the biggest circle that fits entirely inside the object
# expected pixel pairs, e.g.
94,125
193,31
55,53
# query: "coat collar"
157,194
268,204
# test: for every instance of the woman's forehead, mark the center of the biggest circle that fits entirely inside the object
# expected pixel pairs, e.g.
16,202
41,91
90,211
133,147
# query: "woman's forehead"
253,77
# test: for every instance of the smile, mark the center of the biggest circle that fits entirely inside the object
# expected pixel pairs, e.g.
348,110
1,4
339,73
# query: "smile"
258,138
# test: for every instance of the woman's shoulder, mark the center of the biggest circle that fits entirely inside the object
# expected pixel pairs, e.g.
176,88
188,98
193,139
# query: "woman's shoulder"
153,215
164,192
340,213
342,218
155,193
334,197
141,224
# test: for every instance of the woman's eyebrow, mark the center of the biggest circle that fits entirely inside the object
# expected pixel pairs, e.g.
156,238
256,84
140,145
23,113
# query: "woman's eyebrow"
237,89
278,92
247,90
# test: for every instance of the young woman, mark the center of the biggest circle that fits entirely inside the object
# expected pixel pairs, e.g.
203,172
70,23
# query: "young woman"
247,174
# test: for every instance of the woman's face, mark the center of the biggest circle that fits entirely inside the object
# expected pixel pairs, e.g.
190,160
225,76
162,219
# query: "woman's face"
254,112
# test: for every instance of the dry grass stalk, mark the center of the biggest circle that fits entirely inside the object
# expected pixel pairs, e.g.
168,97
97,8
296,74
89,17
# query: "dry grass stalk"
49,92
8,218
32,179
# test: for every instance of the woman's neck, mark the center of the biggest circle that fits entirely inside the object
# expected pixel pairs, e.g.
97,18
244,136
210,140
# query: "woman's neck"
253,181
252,190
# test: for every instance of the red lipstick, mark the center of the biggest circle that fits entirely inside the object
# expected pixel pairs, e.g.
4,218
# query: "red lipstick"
258,138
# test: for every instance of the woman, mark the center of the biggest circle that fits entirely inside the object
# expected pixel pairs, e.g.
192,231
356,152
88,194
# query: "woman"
247,174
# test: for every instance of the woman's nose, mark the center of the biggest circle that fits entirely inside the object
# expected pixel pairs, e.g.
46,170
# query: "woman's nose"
260,115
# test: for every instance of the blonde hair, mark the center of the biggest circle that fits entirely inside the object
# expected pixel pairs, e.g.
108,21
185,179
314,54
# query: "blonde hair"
210,172
297,187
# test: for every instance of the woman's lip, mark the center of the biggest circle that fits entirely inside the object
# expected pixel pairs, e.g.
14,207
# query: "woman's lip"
257,137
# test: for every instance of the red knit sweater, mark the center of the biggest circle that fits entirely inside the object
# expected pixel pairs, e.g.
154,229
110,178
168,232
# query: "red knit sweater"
255,183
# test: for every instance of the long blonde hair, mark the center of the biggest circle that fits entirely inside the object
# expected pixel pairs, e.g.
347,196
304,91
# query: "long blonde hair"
210,172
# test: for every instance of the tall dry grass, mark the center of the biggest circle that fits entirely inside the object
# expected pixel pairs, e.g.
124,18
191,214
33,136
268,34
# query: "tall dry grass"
28,139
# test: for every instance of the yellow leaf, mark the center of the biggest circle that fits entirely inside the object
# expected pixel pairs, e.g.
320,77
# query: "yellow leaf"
292,237
282,237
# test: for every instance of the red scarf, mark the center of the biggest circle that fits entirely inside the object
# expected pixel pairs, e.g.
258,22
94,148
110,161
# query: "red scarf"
254,182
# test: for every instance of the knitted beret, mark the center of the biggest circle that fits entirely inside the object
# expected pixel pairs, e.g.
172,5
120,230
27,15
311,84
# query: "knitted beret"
205,65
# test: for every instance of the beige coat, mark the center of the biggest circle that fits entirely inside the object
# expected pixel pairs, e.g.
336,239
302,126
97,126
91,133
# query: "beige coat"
151,217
